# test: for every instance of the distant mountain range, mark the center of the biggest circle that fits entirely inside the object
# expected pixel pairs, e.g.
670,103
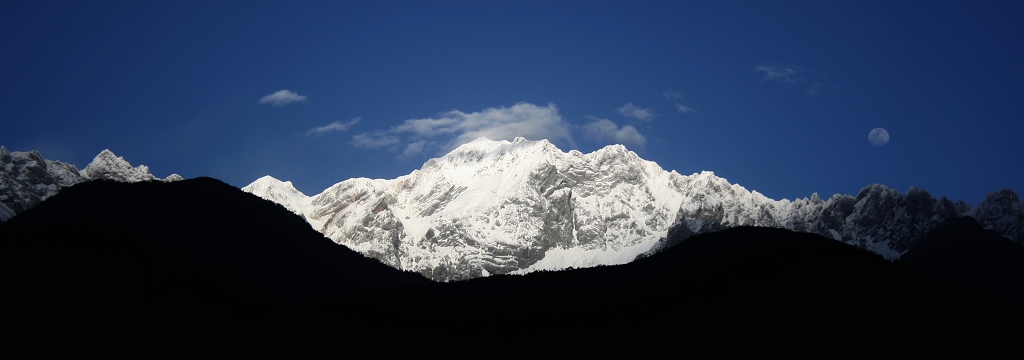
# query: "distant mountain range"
500,207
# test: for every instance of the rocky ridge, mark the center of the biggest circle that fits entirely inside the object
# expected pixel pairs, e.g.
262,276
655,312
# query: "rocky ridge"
26,178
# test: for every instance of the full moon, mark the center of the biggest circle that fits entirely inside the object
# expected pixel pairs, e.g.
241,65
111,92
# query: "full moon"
878,137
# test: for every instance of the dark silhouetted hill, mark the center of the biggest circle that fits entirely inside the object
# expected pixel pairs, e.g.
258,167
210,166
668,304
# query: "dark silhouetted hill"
740,282
206,255
962,252
154,251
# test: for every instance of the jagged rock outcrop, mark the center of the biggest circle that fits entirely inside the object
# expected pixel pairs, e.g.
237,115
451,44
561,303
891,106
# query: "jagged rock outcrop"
108,166
514,207
26,178
1002,212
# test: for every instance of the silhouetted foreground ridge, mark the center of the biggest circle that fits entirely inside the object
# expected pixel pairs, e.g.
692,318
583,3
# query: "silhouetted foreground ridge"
205,253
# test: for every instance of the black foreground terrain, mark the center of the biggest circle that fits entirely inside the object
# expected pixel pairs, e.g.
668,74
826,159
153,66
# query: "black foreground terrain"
204,254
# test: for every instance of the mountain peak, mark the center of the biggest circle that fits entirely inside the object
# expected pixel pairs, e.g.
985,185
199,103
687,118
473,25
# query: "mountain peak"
106,153
107,165
485,151
281,192
484,142
272,182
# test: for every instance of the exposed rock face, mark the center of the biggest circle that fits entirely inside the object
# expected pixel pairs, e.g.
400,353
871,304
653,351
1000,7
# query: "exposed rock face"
1002,212
513,207
27,179
879,218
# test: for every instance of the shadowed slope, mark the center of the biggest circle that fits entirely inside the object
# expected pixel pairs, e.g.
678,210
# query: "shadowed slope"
196,249
962,252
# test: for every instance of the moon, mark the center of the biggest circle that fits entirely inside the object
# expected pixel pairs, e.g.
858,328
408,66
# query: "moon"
878,137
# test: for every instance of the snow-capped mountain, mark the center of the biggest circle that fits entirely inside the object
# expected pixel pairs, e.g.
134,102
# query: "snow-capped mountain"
26,178
497,207
515,207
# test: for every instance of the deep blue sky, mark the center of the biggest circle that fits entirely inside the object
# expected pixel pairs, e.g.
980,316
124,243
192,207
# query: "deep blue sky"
777,96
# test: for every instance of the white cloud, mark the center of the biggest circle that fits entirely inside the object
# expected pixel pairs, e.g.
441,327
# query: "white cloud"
455,127
683,108
431,127
604,130
377,140
334,126
632,111
779,73
672,95
282,98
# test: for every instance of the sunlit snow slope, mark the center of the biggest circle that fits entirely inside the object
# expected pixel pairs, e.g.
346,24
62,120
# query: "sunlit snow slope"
493,207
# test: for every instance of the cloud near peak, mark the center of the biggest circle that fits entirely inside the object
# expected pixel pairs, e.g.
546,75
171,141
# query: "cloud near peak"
437,135
453,128
282,98
520,120
604,130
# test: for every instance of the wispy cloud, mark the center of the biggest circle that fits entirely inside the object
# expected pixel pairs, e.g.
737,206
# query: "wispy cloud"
675,96
376,140
334,126
813,81
282,98
632,111
779,73
604,130
683,108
